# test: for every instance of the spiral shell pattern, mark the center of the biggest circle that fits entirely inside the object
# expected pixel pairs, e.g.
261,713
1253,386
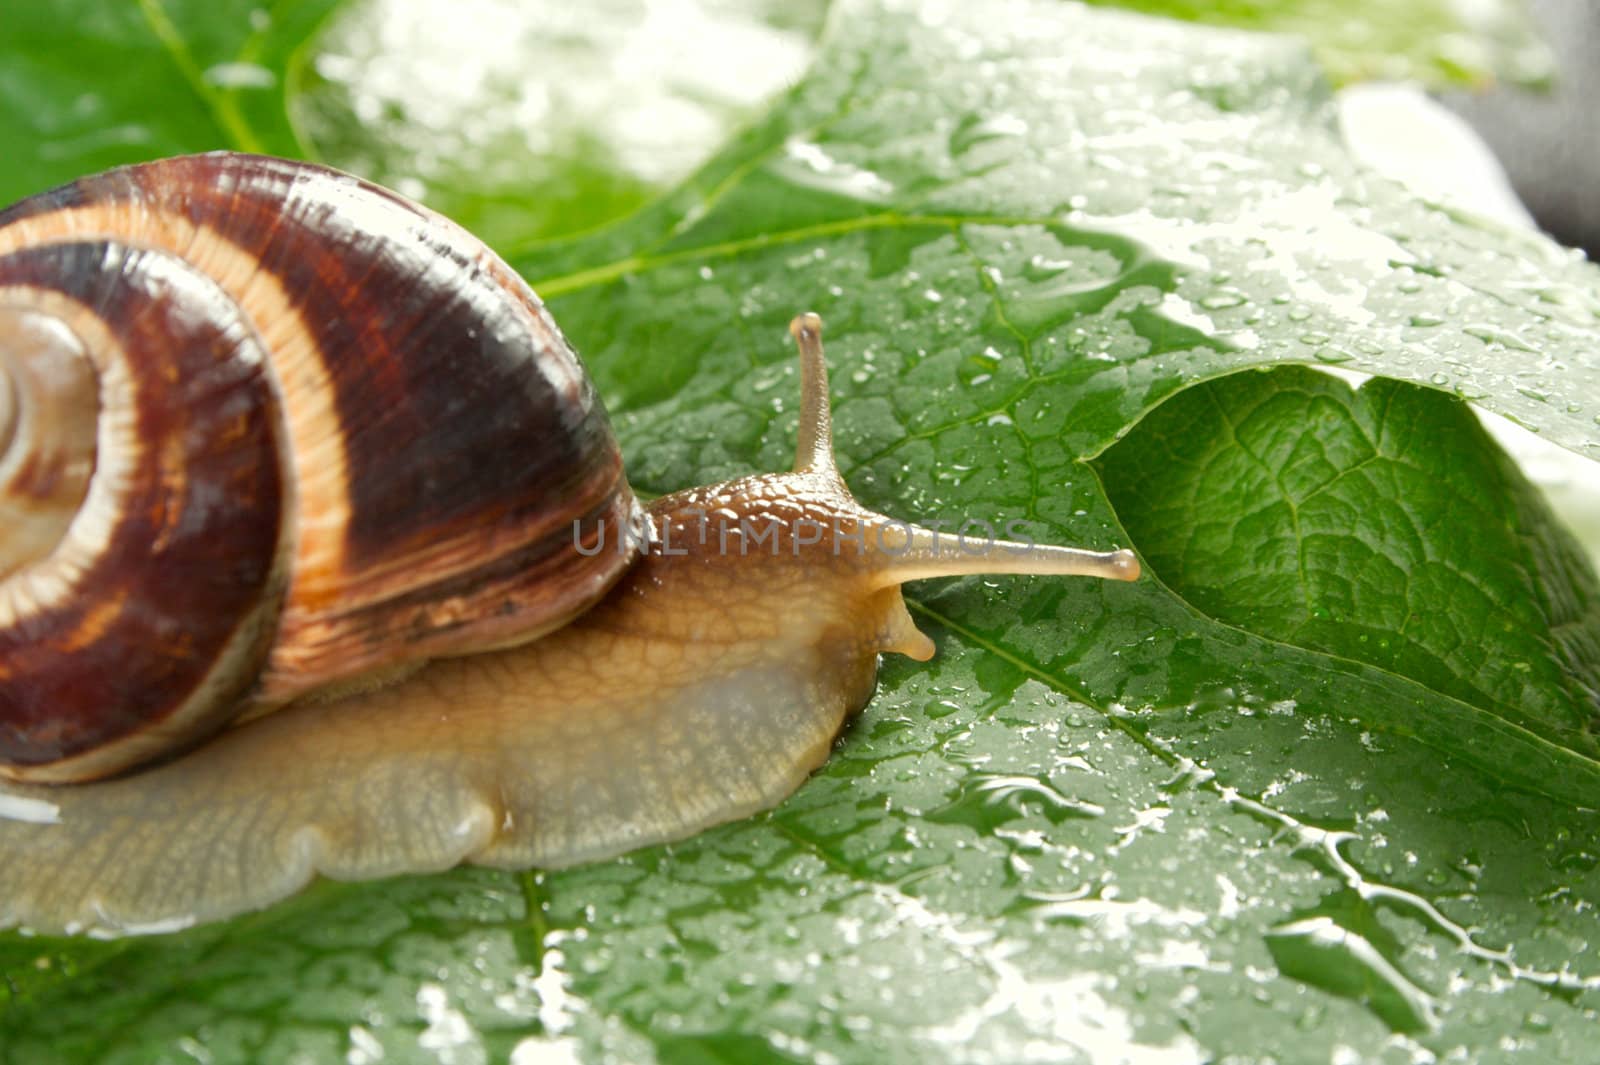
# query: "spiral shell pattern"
265,430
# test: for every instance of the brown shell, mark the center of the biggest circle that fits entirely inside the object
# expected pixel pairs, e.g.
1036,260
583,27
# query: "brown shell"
380,429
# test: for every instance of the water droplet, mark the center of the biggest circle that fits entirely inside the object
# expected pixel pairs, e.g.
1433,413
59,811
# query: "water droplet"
1577,861
1341,962
1223,299
1042,268
241,76
809,164
1492,336
987,801
974,130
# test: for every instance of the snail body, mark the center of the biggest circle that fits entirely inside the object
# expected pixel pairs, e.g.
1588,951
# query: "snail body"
522,667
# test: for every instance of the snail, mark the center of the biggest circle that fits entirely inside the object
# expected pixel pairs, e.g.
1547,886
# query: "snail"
317,558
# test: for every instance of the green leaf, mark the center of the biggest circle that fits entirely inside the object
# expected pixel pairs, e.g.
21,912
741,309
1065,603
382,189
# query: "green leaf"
527,121
209,76
1104,824
1433,41
1383,526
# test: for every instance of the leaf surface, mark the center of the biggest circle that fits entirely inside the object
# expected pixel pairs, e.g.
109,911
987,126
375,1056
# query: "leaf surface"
1432,41
1106,823
1383,526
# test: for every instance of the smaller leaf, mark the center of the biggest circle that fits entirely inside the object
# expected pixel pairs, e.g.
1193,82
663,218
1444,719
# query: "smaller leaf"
1382,525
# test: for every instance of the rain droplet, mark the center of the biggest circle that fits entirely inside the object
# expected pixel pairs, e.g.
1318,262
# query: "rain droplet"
973,130
1492,336
241,76
1041,268
1223,300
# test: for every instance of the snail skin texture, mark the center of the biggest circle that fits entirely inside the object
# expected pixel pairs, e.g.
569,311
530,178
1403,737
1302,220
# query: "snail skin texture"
274,439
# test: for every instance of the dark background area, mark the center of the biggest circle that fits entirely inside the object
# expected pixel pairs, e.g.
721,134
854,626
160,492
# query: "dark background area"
1549,143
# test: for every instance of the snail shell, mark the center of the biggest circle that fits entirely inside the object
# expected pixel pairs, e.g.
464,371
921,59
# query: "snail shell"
224,360
336,436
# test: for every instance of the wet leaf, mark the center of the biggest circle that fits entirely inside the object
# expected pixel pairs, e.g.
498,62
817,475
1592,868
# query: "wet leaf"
1107,822
1439,42
1383,526
207,76
532,120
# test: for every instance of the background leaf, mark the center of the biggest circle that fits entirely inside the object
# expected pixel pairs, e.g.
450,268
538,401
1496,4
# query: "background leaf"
531,120
1293,507
1432,41
209,76
1101,825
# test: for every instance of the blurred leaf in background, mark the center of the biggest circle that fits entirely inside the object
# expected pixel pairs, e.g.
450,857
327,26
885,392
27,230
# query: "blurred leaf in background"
1436,42
523,120
1154,822
89,84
